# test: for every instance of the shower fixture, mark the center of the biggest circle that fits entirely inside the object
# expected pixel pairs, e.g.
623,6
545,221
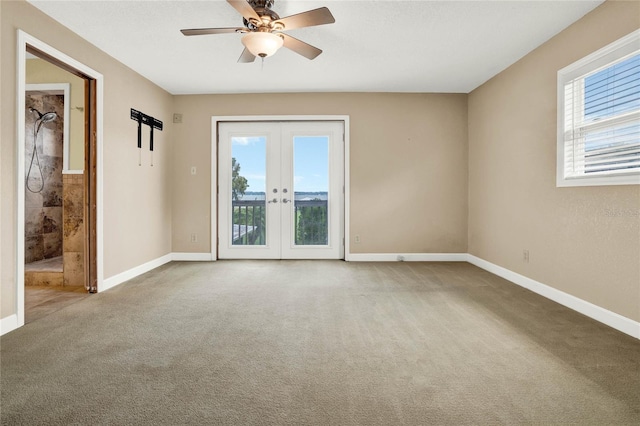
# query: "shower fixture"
46,117
42,119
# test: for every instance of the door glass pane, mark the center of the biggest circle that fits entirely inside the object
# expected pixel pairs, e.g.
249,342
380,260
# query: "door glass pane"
248,200
311,189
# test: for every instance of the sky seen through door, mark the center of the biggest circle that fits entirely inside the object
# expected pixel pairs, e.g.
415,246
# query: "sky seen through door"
311,166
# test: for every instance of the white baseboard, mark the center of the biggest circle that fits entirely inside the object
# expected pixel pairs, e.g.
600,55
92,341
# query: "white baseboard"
406,257
8,324
146,267
134,272
617,321
192,257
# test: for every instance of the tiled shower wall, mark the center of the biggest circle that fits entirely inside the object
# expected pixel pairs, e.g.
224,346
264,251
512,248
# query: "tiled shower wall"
43,210
73,229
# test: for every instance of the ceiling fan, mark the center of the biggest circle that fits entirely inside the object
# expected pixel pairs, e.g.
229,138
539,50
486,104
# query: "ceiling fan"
263,29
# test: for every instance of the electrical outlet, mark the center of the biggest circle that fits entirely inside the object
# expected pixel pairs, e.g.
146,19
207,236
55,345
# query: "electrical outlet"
177,118
525,256
194,238
400,258
357,239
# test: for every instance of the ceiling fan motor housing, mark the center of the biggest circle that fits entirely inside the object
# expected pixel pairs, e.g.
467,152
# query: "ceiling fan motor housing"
268,16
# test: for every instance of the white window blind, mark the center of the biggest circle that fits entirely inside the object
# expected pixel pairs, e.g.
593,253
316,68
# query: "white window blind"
599,117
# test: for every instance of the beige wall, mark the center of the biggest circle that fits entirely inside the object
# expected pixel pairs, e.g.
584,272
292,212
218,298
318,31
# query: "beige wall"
40,71
583,240
408,165
137,207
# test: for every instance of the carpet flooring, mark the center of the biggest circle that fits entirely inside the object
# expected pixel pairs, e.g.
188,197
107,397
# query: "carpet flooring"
318,343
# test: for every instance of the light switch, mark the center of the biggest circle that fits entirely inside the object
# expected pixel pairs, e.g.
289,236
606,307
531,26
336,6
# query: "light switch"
193,170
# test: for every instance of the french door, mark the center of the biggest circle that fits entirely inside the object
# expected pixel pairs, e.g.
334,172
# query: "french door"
281,190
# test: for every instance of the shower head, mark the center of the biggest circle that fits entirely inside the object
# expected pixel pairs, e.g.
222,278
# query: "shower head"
49,116
46,117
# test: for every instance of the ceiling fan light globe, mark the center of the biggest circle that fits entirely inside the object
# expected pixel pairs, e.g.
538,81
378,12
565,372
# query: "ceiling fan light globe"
262,44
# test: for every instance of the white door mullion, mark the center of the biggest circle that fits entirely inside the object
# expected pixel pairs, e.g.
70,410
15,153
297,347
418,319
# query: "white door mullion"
288,197
273,182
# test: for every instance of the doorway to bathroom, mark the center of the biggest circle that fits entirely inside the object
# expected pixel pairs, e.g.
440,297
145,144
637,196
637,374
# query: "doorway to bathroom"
60,181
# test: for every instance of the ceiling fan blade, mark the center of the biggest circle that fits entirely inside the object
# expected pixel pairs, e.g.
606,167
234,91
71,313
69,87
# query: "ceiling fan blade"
205,31
244,9
309,18
246,57
300,47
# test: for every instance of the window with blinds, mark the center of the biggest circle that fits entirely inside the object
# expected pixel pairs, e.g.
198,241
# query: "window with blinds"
599,117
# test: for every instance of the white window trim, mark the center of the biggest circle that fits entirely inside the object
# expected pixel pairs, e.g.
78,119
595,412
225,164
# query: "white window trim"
610,53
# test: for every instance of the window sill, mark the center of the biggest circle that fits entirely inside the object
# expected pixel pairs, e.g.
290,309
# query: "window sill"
630,179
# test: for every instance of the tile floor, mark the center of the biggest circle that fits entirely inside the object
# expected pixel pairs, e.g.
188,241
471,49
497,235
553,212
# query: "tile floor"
41,301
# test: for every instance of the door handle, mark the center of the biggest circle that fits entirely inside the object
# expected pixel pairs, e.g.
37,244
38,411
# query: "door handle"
275,200
285,200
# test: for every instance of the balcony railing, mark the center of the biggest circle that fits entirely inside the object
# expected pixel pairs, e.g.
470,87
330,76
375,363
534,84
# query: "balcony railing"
249,223
310,222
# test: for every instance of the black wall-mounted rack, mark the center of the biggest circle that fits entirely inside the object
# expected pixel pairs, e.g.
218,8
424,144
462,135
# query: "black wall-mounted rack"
153,123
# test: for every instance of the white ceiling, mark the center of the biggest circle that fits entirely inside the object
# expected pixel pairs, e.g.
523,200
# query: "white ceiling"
374,46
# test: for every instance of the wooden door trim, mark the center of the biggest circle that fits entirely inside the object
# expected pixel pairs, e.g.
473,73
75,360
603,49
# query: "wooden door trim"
90,188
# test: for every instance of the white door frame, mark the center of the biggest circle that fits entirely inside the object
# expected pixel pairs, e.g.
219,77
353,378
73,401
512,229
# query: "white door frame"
257,118
24,40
